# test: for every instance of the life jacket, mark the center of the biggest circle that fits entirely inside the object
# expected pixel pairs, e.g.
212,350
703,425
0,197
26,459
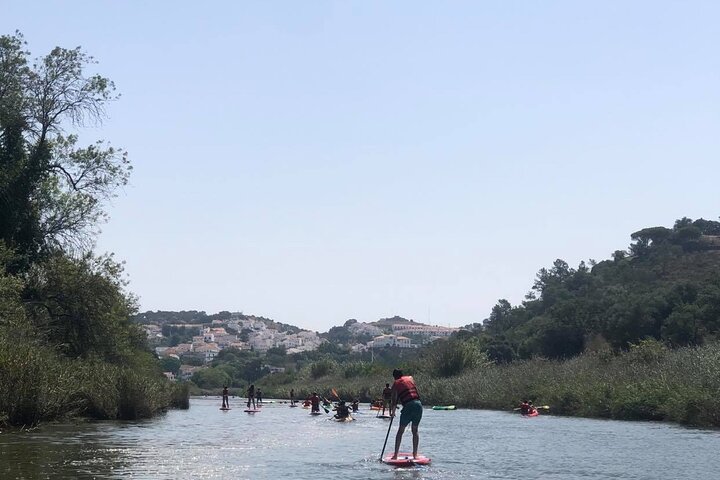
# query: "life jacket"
406,389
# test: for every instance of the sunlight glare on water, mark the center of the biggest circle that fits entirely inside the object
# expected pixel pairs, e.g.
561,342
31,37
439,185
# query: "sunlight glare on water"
278,442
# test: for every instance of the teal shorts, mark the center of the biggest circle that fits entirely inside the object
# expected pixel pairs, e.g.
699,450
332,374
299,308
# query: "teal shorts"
411,412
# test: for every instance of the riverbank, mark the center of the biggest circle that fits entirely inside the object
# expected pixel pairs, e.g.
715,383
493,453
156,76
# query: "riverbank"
649,382
39,385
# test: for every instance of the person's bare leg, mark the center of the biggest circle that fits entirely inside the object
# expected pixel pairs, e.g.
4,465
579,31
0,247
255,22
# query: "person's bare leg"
416,439
398,439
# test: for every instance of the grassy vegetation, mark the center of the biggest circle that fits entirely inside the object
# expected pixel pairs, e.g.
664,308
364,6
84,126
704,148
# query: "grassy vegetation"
648,382
40,385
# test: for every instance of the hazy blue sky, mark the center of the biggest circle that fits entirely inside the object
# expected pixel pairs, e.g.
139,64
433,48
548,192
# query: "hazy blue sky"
318,161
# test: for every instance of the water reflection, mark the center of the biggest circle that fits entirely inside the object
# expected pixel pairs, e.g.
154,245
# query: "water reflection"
286,442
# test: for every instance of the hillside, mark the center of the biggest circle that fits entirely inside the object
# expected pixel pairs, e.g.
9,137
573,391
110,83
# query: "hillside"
666,286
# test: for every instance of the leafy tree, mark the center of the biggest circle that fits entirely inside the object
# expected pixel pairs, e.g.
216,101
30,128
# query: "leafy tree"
210,378
170,364
51,189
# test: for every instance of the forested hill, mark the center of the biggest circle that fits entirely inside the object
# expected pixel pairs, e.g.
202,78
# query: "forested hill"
666,286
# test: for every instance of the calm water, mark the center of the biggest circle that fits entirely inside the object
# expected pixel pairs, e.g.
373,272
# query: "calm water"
204,442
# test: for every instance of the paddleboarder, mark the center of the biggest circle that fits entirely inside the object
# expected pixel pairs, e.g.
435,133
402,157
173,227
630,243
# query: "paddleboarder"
225,397
251,397
386,397
315,402
342,410
292,397
259,396
405,392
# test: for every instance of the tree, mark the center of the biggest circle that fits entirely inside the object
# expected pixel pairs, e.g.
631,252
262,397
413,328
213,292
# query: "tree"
170,364
51,189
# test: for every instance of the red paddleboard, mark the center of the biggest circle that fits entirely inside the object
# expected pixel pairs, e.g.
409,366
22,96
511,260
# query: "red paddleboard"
250,410
405,459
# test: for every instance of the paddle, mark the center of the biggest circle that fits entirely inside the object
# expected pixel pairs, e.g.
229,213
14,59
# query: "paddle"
335,393
386,437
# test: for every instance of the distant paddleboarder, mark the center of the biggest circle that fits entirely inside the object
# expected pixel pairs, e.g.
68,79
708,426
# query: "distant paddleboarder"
292,397
225,397
259,396
342,411
251,397
315,402
386,398
405,392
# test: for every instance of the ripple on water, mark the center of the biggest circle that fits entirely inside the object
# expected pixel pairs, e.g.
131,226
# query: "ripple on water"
287,442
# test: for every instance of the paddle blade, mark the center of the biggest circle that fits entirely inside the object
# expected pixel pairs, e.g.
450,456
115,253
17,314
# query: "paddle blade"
335,393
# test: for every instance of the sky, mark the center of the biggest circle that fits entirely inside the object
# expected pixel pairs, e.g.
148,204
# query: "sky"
317,161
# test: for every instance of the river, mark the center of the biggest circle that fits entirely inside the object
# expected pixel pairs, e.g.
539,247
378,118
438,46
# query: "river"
282,442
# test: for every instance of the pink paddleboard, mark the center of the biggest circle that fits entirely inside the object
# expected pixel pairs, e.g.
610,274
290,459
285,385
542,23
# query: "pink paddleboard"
405,459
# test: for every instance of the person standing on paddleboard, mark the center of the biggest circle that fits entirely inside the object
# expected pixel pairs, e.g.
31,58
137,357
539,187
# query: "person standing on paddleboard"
226,398
292,396
259,396
386,397
405,392
315,402
251,397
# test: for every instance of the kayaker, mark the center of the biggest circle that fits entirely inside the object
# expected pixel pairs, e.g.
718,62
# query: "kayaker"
386,397
225,397
405,392
315,402
525,407
355,405
251,397
342,411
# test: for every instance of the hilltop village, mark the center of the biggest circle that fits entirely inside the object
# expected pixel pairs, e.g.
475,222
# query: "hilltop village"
197,339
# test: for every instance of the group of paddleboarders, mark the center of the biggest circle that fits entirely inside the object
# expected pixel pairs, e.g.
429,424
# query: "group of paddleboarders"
402,392
254,397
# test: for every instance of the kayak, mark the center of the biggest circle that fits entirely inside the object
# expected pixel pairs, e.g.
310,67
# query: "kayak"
533,413
444,407
405,459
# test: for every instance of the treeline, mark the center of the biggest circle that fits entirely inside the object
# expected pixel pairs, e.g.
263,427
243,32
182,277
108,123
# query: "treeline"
67,345
665,287
634,337
239,368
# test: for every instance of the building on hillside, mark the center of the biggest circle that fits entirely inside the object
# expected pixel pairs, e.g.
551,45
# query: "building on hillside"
239,345
209,351
272,369
390,341
361,328
170,376
428,330
187,371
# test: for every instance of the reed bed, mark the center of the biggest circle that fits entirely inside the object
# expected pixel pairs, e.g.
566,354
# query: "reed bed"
649,382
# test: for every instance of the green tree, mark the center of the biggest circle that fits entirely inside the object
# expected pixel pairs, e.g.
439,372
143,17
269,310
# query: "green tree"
170,364
51,189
